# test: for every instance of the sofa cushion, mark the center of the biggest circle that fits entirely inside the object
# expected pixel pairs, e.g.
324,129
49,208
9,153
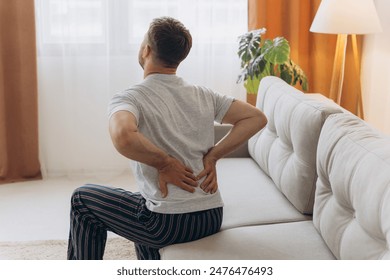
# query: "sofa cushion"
250,196
286,148
288,241
352,209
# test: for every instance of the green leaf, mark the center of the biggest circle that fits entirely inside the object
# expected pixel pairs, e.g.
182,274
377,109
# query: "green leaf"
276,51
304,83
286,76
299,75
258,65
249,44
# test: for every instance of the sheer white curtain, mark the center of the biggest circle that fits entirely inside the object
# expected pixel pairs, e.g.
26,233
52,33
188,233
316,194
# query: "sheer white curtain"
87,51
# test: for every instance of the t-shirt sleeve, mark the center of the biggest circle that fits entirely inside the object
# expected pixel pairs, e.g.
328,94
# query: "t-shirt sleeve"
222,105
124,101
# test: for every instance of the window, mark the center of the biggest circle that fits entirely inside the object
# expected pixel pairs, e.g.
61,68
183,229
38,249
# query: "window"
74,21
88,50
96,26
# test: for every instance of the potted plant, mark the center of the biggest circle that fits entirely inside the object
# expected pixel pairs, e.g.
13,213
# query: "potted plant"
266,58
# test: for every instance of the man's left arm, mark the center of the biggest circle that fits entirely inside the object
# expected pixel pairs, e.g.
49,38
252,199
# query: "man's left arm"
246,120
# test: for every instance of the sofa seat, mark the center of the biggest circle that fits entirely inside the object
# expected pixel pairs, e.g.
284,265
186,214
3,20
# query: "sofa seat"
251,197
285,241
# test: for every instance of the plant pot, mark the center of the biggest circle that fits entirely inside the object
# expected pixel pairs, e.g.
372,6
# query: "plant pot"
251,98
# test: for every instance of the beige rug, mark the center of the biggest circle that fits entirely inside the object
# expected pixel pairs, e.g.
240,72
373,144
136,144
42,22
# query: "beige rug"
116,249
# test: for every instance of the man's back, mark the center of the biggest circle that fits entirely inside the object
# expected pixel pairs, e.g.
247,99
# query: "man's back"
178,118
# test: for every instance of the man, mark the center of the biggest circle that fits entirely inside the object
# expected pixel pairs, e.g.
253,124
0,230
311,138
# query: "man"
166,127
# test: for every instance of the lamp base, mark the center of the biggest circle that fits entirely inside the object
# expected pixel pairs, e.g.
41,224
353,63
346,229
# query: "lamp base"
338,72
338,69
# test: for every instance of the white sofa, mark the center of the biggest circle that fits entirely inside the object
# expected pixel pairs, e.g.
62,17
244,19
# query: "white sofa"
313,184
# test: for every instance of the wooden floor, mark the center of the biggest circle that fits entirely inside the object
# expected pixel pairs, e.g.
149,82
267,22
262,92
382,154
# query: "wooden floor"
39,210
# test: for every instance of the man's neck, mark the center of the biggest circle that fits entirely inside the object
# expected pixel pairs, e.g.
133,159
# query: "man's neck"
157,69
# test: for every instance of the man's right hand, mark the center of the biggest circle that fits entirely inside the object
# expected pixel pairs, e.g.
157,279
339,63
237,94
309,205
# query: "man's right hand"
176,173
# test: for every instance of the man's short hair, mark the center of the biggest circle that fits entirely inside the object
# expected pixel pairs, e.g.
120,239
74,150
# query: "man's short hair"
170,40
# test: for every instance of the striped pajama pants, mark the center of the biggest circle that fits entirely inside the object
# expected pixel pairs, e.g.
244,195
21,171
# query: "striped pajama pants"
97,209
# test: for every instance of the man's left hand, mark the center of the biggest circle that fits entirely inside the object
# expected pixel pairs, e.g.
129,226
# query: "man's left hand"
210,184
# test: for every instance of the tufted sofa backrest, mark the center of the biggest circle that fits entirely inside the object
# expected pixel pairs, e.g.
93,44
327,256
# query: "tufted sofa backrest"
352,204
286,148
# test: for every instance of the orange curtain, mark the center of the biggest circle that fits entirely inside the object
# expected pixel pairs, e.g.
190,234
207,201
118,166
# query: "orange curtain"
19,158
313,52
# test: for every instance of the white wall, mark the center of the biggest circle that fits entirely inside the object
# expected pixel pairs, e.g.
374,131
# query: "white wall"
376,72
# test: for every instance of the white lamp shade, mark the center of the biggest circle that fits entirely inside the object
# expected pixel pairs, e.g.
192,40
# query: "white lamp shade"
346,17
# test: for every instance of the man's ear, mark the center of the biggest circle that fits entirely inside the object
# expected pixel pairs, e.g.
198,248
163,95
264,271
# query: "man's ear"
146,51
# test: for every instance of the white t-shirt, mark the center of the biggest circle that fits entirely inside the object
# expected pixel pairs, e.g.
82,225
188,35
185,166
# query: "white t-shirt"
178,118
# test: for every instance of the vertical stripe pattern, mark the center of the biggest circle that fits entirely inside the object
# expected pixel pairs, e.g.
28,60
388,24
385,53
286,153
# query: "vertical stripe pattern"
97,209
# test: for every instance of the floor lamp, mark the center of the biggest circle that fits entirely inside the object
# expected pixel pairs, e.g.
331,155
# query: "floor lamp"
345,17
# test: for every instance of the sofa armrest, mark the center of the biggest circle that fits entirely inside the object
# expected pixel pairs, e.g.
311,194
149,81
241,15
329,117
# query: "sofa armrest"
220,130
